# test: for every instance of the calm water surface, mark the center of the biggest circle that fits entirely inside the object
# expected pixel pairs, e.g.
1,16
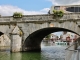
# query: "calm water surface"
49,52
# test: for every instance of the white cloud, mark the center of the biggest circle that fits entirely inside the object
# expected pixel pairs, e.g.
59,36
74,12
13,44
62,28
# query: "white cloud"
65,2
9,10
45,10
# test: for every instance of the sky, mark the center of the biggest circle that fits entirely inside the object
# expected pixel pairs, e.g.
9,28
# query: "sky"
31,7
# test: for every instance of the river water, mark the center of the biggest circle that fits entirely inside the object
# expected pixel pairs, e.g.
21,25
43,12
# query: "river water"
48,52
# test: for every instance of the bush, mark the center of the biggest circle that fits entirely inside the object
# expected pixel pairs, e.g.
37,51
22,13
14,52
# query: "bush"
58,13
17,15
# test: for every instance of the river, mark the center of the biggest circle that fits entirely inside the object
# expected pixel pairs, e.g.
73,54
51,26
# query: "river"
48,52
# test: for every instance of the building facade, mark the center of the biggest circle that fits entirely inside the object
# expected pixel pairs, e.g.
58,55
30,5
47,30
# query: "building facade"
68,36
66,9
54,37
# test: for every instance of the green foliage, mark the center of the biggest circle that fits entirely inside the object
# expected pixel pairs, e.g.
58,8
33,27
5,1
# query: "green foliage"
58,13
48,36
17,15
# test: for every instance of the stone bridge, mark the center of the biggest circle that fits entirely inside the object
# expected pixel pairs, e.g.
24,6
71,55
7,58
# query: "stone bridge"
26,33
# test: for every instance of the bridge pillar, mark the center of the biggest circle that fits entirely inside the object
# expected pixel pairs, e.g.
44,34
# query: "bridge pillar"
16,45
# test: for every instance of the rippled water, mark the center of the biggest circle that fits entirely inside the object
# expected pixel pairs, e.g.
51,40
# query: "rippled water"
49,52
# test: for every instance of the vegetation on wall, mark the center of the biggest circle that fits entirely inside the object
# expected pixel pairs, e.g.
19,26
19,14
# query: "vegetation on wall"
17,15
58,13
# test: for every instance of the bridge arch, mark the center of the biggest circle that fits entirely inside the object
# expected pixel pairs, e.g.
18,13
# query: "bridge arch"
4,40
33,41
1,33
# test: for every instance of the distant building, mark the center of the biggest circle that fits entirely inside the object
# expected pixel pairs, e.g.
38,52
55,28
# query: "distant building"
68,36
66,9
64,36
54,37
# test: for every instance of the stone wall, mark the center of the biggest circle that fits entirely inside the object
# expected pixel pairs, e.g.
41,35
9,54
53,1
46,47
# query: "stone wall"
38,18
5,41
31,23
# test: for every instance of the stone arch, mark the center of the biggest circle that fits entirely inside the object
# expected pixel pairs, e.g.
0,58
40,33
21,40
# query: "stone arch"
33,41
70,25
1,33
4,39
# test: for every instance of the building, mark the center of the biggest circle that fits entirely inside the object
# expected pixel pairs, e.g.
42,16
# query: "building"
66,8
64,36
54,37
68,36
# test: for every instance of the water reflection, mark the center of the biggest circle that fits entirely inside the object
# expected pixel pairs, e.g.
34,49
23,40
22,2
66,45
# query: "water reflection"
31,56
49,52
15,56
5,55
47,43
52,52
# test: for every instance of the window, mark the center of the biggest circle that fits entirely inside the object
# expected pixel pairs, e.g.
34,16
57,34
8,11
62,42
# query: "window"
73,9
57,7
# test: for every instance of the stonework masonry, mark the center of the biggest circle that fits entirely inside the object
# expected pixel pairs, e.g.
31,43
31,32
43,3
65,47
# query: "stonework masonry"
28,24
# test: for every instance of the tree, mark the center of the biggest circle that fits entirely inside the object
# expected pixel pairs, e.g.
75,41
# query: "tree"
48,36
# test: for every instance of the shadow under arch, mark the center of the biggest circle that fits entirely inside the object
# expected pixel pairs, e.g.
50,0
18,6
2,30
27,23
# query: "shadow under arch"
33,41
1,33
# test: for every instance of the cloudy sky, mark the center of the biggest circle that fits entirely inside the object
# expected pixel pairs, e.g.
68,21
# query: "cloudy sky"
65,2
28,7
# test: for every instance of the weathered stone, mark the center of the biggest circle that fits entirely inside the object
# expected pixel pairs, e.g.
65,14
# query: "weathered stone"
16,43
36,27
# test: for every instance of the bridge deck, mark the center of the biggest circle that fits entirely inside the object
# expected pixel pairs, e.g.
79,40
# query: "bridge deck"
44,17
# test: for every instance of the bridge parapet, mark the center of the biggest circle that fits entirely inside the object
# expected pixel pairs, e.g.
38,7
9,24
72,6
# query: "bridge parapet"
71,16
5,19
45,17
